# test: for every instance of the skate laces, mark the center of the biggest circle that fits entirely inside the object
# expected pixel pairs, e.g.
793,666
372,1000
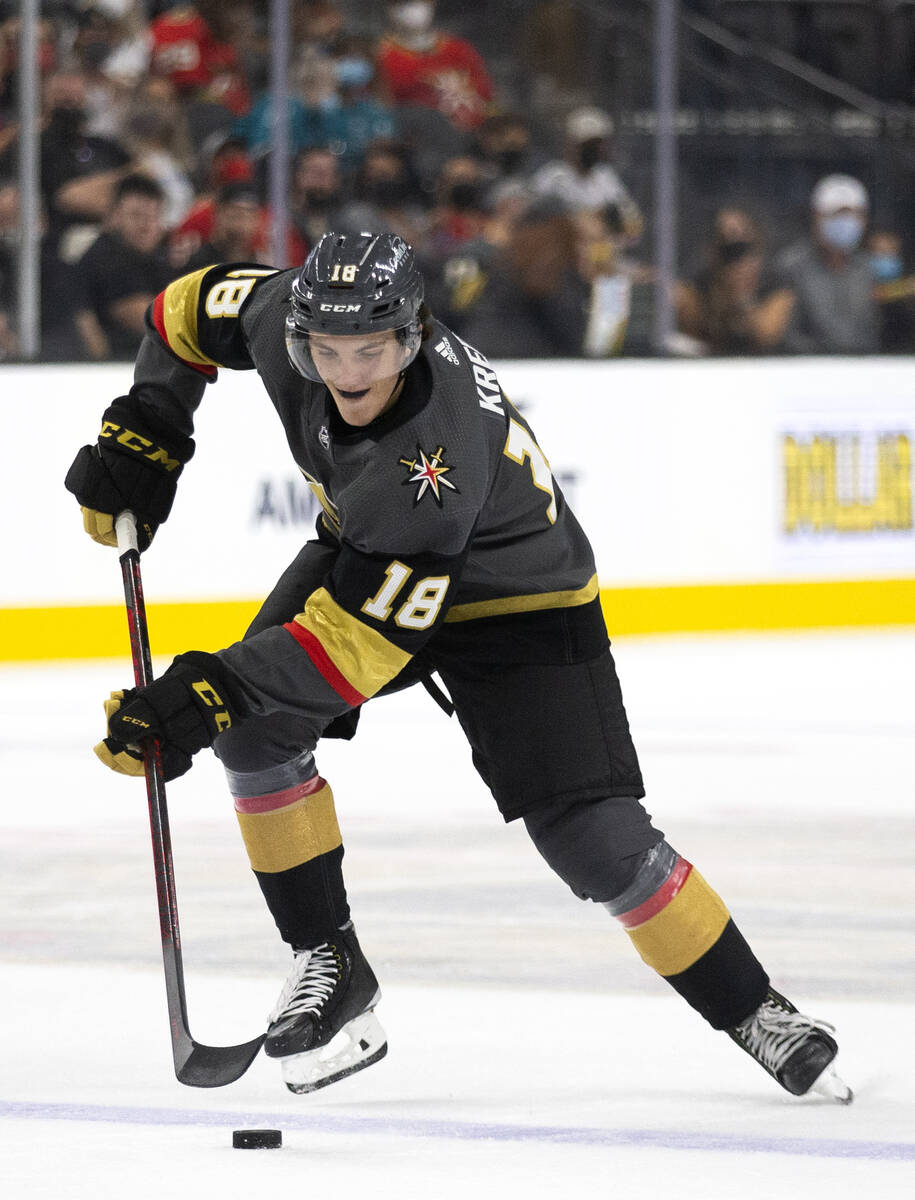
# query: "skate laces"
773,1033
312,979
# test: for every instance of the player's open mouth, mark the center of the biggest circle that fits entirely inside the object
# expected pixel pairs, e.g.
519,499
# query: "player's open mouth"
353,395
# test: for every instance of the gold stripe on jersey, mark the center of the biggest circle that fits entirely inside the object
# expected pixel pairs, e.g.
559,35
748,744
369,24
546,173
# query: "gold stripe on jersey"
519,604
179,315
364,657
677,936
287,837
331,513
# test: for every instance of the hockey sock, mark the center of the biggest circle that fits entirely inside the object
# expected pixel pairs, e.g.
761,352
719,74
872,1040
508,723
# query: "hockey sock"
682,929
295,848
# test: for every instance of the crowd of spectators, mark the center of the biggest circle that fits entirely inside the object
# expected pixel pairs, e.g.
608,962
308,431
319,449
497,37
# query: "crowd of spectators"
156,137
840,289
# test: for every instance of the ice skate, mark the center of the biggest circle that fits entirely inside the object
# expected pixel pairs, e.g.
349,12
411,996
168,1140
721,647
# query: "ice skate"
797,1051
323,1027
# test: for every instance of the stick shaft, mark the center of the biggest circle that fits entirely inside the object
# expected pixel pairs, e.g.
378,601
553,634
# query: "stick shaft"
196,1065
166,895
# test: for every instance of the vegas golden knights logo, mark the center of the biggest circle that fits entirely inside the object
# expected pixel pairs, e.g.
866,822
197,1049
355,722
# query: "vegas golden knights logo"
427,473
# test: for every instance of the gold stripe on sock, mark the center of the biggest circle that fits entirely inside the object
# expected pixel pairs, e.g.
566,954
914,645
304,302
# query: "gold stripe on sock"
683,930
290,836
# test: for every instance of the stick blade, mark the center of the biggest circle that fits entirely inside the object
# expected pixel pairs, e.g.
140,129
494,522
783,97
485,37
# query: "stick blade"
215,1066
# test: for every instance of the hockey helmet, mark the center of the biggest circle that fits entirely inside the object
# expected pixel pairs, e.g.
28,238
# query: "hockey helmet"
355,284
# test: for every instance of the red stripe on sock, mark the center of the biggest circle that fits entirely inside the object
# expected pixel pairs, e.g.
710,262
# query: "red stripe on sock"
324,664
662,897
271,801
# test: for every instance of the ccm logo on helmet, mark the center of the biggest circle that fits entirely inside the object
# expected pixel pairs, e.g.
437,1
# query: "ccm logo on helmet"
344,308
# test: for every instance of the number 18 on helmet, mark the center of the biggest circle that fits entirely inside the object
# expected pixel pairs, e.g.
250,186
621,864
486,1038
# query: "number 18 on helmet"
353,285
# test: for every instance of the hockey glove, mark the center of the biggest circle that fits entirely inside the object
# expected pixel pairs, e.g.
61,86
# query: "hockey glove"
185,710
128,467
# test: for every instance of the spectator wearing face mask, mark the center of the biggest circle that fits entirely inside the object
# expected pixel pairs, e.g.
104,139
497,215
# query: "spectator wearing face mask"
223,160
422,65
894,291
156,137
79,171
387,195
505,148
356,116
830,276
315,197
238,220
733,305
460,210
93,44
585,180
458,271
556,289
256,127
333,104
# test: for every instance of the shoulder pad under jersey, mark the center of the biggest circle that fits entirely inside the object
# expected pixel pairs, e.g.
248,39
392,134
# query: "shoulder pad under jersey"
456,364
198,316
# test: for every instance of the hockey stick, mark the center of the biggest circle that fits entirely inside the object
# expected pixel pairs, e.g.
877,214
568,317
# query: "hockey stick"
195,1065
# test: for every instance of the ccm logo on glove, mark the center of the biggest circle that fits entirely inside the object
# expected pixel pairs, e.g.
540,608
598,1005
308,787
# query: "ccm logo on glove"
211,698
130,466
139,444
184,711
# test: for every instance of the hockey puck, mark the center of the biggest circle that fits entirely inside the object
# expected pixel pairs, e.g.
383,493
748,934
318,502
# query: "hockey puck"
257,1139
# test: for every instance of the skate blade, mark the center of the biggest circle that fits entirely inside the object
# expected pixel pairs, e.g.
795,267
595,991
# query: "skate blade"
359,1044
829,1084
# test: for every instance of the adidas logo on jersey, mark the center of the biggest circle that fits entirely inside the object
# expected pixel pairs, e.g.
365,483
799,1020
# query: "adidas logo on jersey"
445,350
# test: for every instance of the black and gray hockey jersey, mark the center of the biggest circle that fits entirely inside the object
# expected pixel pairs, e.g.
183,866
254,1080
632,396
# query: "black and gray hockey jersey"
442,510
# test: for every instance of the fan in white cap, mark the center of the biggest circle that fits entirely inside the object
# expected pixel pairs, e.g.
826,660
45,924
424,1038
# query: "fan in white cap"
835,192
840,205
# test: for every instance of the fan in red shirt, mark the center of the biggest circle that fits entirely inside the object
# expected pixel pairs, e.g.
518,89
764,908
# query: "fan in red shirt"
185,51
181,45
422,66
225,162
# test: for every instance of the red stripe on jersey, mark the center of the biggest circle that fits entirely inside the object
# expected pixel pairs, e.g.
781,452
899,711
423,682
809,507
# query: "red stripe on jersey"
662,897
158,316
325,665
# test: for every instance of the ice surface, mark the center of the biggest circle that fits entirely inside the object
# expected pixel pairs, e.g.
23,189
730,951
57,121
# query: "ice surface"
531,1054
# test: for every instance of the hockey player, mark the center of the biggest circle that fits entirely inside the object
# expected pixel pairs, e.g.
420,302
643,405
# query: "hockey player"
444,544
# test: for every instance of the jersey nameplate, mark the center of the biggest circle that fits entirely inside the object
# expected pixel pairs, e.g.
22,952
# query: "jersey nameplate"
487,384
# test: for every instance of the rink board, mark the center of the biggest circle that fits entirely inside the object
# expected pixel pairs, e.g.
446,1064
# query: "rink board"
717,495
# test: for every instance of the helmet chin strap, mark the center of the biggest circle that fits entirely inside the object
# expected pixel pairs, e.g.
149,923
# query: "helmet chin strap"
394,390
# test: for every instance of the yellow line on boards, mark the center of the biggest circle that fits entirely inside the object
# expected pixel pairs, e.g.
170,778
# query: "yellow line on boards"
100,631
823,604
